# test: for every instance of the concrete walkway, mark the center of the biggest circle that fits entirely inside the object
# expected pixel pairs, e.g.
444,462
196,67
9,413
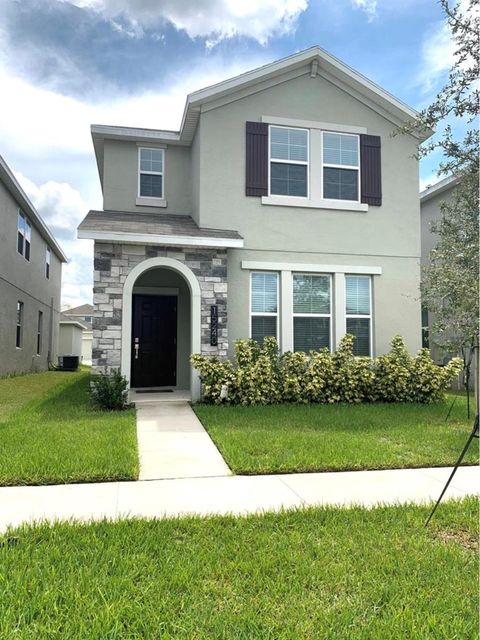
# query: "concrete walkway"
238,495
172,443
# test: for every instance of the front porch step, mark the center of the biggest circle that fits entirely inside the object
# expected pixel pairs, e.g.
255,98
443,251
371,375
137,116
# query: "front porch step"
176,396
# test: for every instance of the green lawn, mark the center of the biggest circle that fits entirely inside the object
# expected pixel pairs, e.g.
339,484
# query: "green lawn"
296,438
50,433
317,574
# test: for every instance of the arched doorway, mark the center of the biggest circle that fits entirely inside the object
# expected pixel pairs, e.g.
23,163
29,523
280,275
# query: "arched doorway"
161,325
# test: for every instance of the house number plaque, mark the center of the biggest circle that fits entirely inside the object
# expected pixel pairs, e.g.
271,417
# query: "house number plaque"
214,325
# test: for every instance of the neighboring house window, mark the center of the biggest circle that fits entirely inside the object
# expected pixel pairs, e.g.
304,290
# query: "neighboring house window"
425,329
48,257
150,179
264,305
19,332
340,166
289,161
87,318
359,313
39,332
311,312
24,235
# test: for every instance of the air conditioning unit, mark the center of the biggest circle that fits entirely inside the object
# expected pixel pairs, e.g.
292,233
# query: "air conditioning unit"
68,363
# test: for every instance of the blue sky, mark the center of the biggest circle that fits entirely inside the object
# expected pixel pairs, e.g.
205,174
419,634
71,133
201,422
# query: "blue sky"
65,64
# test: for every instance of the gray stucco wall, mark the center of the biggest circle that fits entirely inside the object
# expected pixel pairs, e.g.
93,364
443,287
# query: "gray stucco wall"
25,281
430,212
120,182
386,236
210,186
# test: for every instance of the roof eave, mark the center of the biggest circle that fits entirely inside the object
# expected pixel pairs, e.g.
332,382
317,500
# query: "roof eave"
21,197
159,239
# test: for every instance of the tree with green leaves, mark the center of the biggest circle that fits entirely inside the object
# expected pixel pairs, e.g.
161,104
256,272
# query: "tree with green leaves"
450,281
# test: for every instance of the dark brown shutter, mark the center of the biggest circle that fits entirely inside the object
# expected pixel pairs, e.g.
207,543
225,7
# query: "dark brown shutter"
371,170
256,159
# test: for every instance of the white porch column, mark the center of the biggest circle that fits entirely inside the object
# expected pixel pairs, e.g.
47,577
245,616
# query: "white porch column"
286,311
339,307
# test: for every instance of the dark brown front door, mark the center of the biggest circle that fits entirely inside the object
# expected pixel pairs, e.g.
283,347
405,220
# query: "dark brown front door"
154,341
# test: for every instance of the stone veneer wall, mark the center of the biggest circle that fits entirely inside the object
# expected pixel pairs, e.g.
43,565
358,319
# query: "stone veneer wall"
113,263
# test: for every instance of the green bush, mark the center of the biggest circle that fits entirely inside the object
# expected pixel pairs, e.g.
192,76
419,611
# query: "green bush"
110,391
261,375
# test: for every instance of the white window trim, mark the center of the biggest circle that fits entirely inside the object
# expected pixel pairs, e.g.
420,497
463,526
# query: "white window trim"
363,315
342,166
302,163
312,315
314,198
313,124
151,173
259,313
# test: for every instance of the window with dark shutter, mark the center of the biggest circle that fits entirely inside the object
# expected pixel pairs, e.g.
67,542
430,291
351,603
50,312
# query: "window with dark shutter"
371,170
256,159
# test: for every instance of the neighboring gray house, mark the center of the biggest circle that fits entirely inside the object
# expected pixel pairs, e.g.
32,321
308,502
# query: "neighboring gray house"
30,279
76,332
431,199
282,207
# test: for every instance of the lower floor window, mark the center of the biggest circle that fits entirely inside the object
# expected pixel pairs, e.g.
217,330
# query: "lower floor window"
312,307
311,311
359,313
19,329
311,334
263,305
39,332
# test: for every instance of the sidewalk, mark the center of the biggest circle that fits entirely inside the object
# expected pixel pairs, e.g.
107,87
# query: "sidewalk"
238,495
173,443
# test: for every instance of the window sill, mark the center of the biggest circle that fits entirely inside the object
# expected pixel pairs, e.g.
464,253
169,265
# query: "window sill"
151,202
287,201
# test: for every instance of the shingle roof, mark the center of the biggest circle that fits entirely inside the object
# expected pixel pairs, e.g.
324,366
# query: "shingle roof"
82,310
159,226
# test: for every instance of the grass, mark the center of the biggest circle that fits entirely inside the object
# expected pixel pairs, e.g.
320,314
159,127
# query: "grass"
50,433
314,574
305,438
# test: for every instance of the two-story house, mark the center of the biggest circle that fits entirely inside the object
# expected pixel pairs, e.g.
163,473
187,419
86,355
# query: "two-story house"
30,280
283,206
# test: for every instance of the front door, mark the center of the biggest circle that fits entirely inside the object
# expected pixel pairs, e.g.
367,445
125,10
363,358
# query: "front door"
154,341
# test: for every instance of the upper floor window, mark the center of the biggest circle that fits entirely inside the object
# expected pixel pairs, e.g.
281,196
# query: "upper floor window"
19,330
150,175
341,166
48,257
359,312
24,235
311,311
289,161
264,305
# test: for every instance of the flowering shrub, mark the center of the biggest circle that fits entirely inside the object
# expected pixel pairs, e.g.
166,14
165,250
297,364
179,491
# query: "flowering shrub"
262,376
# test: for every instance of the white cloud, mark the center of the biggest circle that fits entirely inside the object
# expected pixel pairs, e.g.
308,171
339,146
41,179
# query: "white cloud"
62,208
369,6
438,51
437,56
39,128
212,19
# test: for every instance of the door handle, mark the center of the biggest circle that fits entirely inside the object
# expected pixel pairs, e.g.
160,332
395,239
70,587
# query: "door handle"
137,347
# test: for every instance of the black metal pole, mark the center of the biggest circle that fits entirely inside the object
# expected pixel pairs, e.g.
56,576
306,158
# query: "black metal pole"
473,435
451,407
